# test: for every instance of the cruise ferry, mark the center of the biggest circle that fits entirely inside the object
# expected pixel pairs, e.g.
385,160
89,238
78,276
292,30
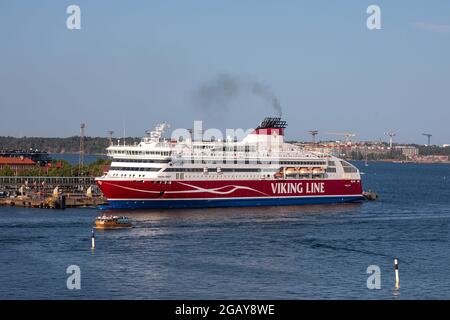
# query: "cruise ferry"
259,170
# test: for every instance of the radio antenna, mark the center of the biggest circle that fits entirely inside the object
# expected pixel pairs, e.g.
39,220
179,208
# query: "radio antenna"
123,125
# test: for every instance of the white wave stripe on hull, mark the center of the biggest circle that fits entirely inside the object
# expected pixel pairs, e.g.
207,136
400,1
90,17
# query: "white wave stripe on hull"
196,189
215,191
238,198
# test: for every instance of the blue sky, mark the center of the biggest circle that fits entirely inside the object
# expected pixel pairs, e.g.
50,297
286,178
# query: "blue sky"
141,62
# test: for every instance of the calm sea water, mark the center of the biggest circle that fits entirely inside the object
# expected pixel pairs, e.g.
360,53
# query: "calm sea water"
74,158
304,252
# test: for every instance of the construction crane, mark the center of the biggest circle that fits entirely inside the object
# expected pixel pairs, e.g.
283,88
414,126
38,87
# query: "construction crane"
391,135
346,135
313,133
429,138
81,159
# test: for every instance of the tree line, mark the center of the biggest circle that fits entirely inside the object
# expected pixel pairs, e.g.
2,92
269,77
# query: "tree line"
60,168
92,145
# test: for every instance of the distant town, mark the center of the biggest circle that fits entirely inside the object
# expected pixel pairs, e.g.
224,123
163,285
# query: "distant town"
34,149
381,151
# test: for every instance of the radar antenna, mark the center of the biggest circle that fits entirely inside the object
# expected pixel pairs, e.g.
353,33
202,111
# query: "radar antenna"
156,134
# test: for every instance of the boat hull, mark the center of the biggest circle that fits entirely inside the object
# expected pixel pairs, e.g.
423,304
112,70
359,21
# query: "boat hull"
105,226
132,194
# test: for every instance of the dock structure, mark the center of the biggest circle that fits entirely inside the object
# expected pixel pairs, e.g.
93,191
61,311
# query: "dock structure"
46,183
61,202
50,192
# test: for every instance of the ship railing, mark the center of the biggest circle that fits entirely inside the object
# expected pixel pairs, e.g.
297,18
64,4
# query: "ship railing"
249,155
218,154
31,180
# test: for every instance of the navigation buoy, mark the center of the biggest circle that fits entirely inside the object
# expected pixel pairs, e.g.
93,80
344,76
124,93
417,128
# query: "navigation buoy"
397,280
93,240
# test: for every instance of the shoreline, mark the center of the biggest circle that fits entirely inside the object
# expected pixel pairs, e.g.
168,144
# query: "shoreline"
403,161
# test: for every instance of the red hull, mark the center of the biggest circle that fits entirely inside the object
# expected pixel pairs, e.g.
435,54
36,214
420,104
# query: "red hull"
226,189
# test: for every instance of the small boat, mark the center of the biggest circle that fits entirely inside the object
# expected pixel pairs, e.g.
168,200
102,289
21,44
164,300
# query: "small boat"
112,222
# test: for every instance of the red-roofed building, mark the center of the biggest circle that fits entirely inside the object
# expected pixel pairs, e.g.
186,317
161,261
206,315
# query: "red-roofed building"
17,164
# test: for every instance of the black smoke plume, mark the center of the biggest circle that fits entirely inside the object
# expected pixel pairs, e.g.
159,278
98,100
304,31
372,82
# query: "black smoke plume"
223,89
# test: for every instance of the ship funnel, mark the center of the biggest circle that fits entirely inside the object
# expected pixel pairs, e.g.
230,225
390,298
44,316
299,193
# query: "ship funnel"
269,131
272,123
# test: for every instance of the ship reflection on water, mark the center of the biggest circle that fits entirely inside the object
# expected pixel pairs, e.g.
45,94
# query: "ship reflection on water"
167,223
254,214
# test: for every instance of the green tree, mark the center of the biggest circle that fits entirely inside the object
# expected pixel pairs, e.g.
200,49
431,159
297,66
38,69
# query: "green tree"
33,172
61,168
6,171
96,168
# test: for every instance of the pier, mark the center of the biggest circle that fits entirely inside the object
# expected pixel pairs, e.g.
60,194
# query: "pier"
61,202
49,192
13,182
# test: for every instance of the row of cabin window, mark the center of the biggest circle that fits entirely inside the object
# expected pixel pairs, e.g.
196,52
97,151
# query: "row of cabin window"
143,160
348,168
230,149
158,153
305,163
212,170
306,176
251,161
128,175
134,169
248,161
